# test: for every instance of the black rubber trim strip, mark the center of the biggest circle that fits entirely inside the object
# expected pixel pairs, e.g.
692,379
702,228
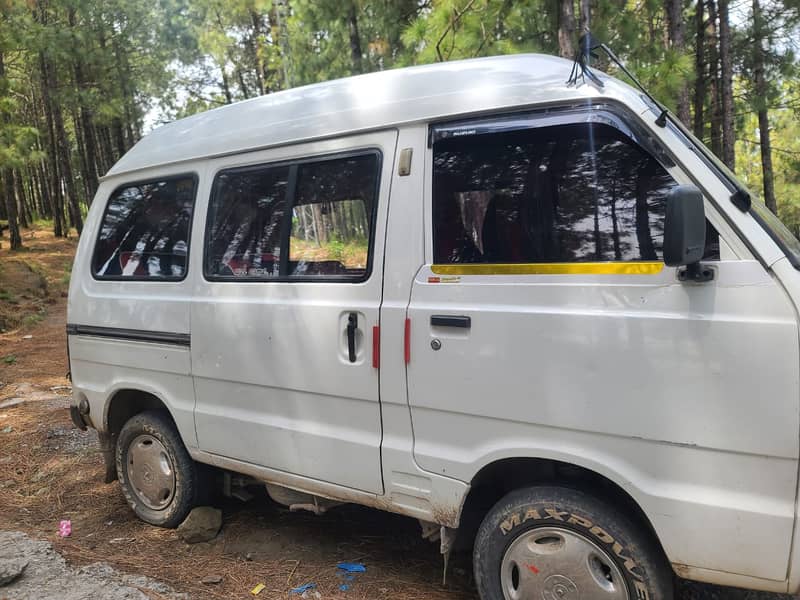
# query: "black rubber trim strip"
134,335
462,322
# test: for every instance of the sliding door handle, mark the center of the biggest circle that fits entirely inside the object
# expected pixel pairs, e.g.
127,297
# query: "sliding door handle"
352,325
460,321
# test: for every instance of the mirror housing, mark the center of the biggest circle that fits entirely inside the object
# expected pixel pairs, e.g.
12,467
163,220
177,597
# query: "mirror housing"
684,227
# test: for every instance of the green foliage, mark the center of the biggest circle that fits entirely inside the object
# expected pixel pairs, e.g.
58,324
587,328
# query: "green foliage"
336,249
34,319
127,65
10,359
785,132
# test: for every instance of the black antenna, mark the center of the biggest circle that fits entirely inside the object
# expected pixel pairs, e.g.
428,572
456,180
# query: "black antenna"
581,70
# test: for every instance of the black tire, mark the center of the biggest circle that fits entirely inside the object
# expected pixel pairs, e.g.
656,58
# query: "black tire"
187,474
631,547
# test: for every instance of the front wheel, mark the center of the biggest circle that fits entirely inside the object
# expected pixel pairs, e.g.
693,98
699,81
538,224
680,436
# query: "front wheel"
558,543
159,479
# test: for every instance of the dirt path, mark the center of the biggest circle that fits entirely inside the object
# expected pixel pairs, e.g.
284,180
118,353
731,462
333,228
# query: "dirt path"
50,471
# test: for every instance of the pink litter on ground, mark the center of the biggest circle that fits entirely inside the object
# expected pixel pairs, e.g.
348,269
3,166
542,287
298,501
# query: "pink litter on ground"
65,528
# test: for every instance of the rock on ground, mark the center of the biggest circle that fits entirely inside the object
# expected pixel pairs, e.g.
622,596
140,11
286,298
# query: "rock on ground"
10,569
202,525
49,576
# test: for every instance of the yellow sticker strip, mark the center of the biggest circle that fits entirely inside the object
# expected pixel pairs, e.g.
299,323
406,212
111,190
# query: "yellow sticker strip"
587,268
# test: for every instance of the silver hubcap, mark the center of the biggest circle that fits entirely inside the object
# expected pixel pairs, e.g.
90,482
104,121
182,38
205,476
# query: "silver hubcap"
554,563
150,472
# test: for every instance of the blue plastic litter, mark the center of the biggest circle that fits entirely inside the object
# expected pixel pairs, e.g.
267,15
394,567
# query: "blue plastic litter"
304,588
352,567
344,587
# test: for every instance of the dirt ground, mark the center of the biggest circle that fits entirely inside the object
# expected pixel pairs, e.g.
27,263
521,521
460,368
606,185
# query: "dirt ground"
50,471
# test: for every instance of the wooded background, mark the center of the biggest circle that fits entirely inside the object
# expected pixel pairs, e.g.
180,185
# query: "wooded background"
82,80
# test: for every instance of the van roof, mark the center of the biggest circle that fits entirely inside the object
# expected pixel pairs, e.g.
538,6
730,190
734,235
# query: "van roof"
361,103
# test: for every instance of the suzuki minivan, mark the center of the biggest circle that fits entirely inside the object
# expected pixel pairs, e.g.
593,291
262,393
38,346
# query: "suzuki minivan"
469,293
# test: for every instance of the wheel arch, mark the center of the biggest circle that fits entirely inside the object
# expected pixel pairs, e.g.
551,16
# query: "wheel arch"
123,403
499,477
126,402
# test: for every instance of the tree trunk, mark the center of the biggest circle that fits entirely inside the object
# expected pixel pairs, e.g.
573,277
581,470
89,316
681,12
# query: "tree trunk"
84,127
63,156
30,180
258,49
676,35
44,188
84,167
8,188
226,88
11,209
726,75
66,168
242,84
566,28
355,40
700,70
119,137
716,83
59,227
280,32
23,214
585,17
106,150
759,38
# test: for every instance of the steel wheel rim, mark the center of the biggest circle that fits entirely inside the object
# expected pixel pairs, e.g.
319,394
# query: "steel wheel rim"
150,472
556,563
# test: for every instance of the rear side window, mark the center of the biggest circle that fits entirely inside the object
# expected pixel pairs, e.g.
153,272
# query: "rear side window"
332,217
246,218
312,219
145,231
579,192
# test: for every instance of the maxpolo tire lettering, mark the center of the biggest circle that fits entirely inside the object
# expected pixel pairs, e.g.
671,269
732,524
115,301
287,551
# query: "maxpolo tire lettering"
632,547
554,514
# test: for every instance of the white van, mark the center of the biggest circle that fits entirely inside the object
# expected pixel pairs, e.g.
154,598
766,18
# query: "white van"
534,314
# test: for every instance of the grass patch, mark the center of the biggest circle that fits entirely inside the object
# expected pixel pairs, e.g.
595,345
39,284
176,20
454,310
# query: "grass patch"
10,359
7,296
352,254
34,319
42,224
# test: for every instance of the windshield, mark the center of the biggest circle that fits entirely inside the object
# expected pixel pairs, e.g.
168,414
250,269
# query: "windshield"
779,233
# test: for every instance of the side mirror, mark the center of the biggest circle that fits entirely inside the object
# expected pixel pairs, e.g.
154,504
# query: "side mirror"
684,226
685,232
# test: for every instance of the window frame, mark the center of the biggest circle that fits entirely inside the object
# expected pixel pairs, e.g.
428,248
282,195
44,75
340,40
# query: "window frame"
595,111
730,233
286,222
139,182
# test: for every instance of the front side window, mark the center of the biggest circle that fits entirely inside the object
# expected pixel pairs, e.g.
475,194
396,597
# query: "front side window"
580,192
312,219
145,231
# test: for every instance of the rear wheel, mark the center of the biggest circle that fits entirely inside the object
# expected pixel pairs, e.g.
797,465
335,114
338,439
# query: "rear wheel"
558,543
159,479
